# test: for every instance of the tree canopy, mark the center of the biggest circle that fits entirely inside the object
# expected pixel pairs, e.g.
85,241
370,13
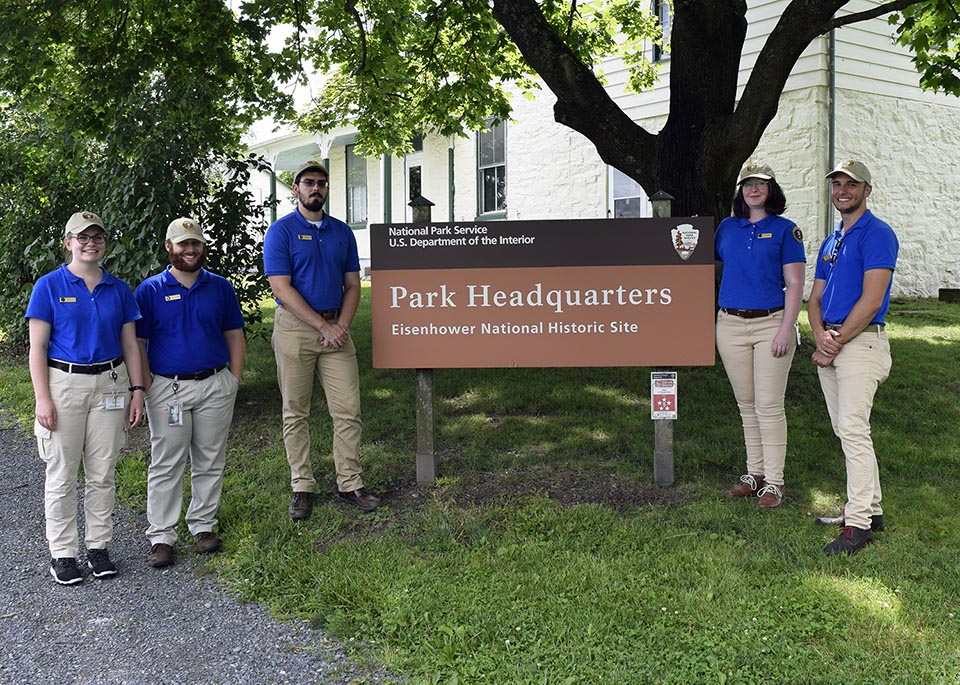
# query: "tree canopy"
134,111
398,67
137,109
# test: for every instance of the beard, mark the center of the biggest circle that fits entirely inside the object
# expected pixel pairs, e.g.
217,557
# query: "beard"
178,262
313,203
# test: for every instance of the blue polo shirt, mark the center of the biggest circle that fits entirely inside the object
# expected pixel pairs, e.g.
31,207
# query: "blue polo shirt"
315,258
84,326
184,327
868,244
753,256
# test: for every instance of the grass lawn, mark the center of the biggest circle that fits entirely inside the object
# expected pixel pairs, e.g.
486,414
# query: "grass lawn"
544,554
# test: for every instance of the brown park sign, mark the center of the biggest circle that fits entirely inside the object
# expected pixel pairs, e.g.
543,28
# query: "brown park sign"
596,292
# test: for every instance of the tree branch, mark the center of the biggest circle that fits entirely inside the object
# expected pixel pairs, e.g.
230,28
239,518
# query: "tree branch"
582,102
350,6
878,11
572,14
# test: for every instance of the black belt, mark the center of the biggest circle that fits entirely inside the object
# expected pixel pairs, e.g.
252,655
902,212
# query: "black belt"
198,376
872,328
750,313
90,369
330,314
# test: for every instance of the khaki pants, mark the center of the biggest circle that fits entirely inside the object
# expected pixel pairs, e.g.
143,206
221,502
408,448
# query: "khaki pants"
206,408
759,382
849,386
299,355
89,434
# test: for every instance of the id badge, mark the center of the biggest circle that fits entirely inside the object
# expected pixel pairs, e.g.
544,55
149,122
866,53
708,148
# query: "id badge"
113,401
174,415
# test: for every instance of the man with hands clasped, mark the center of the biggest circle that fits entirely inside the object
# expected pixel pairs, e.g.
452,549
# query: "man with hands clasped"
312,263
847,306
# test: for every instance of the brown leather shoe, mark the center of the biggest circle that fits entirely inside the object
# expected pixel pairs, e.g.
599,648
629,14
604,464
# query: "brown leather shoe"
161,555
771,496
748,486
360,498
207,542
301,506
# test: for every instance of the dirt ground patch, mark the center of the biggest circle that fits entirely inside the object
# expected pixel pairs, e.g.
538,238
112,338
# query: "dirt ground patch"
569,487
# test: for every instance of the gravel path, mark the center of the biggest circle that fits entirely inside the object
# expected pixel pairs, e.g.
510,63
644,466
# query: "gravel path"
143,626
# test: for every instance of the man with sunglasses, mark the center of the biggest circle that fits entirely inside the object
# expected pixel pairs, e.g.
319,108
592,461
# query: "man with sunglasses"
312,263
848,303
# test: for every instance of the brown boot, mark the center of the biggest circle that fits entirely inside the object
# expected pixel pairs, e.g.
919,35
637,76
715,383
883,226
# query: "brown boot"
771,496
748,486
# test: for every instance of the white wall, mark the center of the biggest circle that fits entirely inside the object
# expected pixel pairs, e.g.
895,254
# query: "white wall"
910,139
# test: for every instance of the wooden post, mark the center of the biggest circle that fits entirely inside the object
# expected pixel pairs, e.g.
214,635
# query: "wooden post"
426,398
662,428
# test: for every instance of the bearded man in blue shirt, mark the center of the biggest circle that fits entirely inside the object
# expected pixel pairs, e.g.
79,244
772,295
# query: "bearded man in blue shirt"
193,350
312,263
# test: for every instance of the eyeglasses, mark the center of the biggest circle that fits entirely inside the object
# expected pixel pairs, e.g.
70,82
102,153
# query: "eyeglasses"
309,183
756,183
83,238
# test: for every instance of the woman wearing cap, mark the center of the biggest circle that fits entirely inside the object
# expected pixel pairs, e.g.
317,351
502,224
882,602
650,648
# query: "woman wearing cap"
763,257
86,373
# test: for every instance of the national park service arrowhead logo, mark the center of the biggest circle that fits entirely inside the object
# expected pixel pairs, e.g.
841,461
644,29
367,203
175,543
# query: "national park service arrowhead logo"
685,238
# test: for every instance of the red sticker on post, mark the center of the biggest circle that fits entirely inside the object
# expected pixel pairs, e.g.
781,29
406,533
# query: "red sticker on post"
663,395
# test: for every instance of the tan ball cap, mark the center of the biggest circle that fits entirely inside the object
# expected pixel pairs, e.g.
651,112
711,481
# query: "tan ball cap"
858,171
756,170
310,165
184,228
80,221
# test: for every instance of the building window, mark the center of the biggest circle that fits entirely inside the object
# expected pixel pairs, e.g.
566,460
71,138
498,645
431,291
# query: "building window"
356,187
661,8
627,199
492,169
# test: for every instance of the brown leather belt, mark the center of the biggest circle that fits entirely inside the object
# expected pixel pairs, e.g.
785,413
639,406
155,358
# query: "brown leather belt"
750,313
872,328
90,369
198,376
330,314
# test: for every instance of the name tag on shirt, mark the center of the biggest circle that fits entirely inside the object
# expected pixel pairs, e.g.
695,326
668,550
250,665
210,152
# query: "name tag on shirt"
304,237
765,235
68,299
168,298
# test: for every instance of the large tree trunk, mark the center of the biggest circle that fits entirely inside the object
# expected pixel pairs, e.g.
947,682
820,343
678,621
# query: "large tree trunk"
693,150
708,134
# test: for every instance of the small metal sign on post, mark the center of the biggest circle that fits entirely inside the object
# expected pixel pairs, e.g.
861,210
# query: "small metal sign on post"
662,426
426,396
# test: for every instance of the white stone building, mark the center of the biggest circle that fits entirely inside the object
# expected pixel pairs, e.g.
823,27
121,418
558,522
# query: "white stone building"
854,94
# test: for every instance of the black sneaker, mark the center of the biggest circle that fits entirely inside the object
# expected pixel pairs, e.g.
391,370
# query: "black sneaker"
359,498
65,571
301,506
99,562
850,541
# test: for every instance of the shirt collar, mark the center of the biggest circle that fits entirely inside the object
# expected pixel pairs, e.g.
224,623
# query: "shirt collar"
106,278
305,222
865,220
169,280
744,222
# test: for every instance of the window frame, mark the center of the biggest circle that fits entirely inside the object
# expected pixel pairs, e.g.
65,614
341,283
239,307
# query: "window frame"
351,184
500,211
662,11
612,197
